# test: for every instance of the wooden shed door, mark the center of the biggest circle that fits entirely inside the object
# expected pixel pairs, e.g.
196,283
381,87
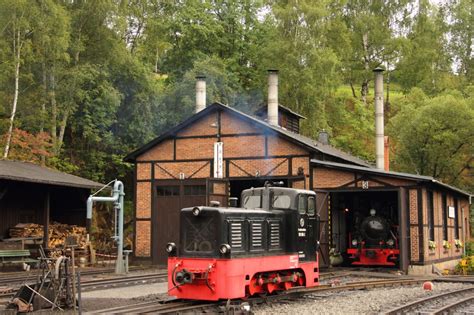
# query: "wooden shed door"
167,205
322,209
170,198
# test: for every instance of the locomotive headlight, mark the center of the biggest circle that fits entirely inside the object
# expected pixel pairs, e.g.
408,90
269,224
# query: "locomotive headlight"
196,211
224,249
390,242
354,242
170,247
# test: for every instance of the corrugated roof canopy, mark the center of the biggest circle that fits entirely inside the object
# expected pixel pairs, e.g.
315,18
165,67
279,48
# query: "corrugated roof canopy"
32,173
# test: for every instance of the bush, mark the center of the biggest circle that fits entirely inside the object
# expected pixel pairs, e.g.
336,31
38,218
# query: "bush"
469,248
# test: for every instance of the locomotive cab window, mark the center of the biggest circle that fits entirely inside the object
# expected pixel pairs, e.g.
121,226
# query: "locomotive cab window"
302,204
311,205
252,201
281,201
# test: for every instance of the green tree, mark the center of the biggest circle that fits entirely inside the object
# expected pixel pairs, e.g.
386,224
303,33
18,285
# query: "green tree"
18,22
462,36
435,139
425,60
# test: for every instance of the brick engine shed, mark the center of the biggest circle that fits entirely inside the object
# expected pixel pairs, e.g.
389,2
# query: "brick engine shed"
180,168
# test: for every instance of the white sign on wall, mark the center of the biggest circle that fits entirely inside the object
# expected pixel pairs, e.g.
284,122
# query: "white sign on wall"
451,213
218,160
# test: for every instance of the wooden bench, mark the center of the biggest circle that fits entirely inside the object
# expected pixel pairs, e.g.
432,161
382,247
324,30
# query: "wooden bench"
16,256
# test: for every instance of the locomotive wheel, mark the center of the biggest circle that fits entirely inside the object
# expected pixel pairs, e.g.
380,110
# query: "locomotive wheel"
254,286
276,281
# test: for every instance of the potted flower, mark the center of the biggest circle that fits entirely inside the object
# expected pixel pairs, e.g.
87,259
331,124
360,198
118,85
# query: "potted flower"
458,244
446,244
432,245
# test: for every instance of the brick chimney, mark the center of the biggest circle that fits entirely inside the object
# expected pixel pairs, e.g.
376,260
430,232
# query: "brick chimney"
386,153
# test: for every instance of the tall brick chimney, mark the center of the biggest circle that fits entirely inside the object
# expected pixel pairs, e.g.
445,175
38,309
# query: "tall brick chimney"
200,93
272,97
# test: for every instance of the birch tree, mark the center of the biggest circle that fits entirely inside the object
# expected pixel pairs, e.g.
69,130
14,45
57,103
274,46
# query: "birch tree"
17,25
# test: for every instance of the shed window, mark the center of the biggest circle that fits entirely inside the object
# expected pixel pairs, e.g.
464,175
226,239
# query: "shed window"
456,220
195,190
167,190
445,217
431,216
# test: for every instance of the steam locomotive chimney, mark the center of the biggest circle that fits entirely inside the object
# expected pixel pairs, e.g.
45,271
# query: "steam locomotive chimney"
273,97
200,93
379,127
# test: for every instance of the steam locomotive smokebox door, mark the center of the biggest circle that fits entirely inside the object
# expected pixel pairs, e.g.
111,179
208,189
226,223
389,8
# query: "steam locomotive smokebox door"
306,223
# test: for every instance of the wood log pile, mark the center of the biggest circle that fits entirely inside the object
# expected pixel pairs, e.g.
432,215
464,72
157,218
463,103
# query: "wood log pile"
22,230
58,233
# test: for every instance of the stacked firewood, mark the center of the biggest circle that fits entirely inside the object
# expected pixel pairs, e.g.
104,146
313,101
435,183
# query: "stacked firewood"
26,230
58,233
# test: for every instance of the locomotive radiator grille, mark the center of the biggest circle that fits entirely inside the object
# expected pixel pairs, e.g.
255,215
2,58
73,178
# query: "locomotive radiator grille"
274,234
257,234
236,234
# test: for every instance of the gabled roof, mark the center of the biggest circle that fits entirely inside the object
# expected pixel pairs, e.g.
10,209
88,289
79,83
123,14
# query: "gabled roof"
32,173
375,171
310,144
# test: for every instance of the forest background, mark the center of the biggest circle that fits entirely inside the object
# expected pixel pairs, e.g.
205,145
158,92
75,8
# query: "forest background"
83,83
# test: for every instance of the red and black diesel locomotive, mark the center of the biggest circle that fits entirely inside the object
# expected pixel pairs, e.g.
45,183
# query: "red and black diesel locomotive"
270,243
375,242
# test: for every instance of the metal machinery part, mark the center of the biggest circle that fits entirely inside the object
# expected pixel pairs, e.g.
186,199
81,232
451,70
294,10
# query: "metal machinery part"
53,289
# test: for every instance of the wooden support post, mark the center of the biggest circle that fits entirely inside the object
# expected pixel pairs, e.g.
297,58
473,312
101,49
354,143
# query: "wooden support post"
47,203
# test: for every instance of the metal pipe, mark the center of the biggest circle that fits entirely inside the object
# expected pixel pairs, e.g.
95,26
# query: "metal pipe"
117,199
272,97
200,93
379,124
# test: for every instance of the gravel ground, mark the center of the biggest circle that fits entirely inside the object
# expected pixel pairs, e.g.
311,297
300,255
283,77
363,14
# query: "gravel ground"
355,302
128,292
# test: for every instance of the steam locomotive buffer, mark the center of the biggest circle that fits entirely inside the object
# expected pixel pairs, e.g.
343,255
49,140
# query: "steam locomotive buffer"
268,244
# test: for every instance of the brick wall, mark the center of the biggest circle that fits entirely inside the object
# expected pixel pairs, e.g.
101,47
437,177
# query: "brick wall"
414,233
244,146
143,171
330,178
162,151
205,126
187,149
279,146
231,124
143,200
143,239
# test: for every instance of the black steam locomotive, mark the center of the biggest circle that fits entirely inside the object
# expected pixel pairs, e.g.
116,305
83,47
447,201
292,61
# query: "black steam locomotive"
375,242
268,244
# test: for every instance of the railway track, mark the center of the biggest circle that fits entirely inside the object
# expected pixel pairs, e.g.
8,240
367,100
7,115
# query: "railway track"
156,307
14,278
175,306
100,284
444,303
